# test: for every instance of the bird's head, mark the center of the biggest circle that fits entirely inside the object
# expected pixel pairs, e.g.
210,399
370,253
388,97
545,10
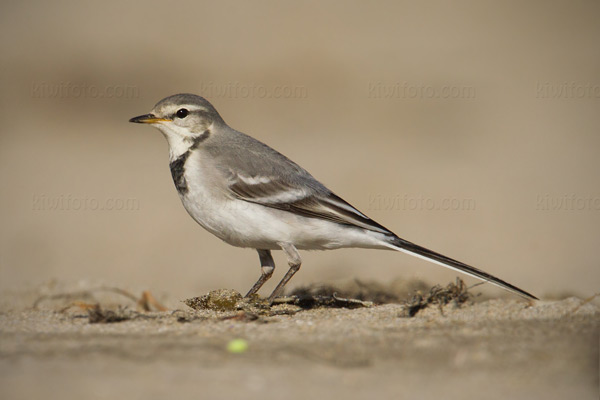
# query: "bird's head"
184,119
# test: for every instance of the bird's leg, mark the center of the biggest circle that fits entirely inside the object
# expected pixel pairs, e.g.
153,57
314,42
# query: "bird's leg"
294,262
267,266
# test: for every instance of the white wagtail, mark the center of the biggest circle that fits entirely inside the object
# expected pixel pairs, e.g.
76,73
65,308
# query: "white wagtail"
249,195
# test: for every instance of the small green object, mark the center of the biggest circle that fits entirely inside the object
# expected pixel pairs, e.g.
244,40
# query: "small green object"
237,346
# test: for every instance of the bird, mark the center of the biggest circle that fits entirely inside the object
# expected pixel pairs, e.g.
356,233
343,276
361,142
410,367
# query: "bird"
251,196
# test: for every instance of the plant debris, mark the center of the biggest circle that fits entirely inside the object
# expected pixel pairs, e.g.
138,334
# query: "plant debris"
308,301
355,294
457,293
230,305
86,299
99,315
584,302
216,300
243,309
227,300
243,316
366,291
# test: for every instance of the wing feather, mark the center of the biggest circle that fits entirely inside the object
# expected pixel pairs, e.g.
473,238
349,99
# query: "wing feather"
305,201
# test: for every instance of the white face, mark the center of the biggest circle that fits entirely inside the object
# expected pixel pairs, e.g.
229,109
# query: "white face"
185,120
181,124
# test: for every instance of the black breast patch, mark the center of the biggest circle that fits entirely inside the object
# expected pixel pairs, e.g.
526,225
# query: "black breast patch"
177,172
178,166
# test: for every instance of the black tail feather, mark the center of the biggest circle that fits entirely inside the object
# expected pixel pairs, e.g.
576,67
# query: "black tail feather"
414,249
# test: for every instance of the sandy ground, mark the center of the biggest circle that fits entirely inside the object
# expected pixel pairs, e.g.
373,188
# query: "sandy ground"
504,179
493,349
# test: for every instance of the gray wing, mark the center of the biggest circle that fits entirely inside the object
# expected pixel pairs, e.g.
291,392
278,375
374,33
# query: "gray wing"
258,174
276,193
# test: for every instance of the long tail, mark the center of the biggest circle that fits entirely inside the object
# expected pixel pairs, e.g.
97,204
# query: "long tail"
426,254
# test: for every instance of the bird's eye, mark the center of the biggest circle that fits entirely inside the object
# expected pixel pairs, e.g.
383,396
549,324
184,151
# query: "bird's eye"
182,113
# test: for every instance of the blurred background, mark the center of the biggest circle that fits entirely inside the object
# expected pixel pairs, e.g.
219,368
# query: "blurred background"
469,127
